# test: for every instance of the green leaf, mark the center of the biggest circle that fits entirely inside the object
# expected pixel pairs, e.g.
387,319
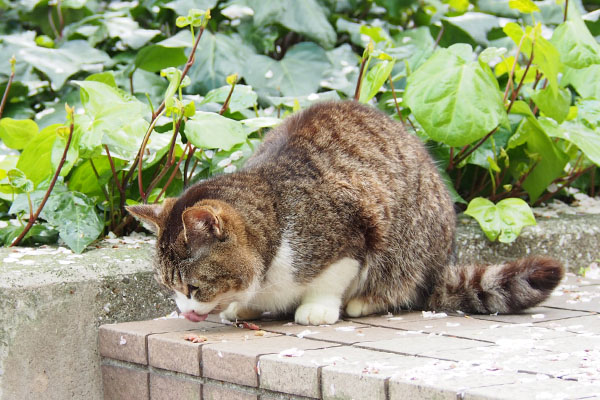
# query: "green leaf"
35,160
584,80
75,217
44,41
303,101
374,79
307,17
298,73
83,179
525,6
213,131
17,133
491,53
58,149
546,57
183,7
154,58
19,181
551,159
71,57
38,234
108,78
243,97
555,105
377,33
455,99
583,131
254,124
576,45
111,117
503,221
218,56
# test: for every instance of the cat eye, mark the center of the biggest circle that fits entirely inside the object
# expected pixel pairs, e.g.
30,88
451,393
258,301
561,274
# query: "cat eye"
192,289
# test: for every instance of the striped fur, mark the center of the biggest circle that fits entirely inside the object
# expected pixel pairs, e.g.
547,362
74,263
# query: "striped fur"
336,182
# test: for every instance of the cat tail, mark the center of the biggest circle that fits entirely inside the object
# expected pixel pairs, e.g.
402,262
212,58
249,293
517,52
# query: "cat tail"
501,288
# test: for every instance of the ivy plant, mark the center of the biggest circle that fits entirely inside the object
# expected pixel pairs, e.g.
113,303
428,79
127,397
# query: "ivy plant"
107,104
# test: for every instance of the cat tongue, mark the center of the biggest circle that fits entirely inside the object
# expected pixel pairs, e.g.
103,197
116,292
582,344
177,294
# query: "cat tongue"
194,316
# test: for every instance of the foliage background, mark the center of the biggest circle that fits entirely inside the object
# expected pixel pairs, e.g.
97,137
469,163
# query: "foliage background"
505,93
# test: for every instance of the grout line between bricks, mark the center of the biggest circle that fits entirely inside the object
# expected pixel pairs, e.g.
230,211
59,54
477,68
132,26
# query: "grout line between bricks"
386,388
198,379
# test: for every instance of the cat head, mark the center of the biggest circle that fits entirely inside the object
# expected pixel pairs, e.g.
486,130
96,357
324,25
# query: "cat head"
203,253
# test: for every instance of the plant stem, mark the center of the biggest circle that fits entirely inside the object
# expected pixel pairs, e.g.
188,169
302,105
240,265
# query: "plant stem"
98,179
51,22
515,93
5,96
52,183
187,165
509,84
360,77
30,206
188,65
567,182
170,159
566,10
155,115
131,82
439,37
61,20
173,173
593,182
475,147
395,99
140,156
114,172
226,104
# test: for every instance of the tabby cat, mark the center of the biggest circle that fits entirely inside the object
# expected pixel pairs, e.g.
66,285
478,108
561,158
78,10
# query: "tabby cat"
338,209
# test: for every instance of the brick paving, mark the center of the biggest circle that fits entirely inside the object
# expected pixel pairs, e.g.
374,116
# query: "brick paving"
549,352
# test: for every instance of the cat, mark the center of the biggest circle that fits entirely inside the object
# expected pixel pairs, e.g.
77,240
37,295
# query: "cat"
338,209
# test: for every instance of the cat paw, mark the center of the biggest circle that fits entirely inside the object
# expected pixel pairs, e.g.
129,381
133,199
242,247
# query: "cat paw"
358,307
237,311
316,314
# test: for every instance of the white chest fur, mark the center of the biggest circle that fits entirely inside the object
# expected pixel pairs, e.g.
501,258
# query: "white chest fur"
280,292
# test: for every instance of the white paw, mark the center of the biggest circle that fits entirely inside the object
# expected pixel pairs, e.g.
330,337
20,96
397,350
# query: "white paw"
358,307
316,314
237,311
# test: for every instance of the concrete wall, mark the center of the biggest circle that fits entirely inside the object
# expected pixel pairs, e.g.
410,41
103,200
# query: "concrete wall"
52,301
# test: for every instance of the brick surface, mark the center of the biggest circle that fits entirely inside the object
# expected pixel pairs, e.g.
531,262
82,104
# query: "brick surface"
389,320
415,343
534,315
405,355
345,332
172,352
537,387
589,324
445,379
364,379
236,362
300,375
127,341
216,391
163,387
123,383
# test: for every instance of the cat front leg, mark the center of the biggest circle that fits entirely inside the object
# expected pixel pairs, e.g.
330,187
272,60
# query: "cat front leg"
321,302
237,310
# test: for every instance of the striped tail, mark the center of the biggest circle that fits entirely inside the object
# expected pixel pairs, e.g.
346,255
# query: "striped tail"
502,288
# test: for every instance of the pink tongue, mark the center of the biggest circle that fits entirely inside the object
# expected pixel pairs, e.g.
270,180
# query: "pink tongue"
194,316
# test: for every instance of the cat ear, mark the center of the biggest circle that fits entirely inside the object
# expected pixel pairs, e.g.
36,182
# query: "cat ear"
148,214
201,221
